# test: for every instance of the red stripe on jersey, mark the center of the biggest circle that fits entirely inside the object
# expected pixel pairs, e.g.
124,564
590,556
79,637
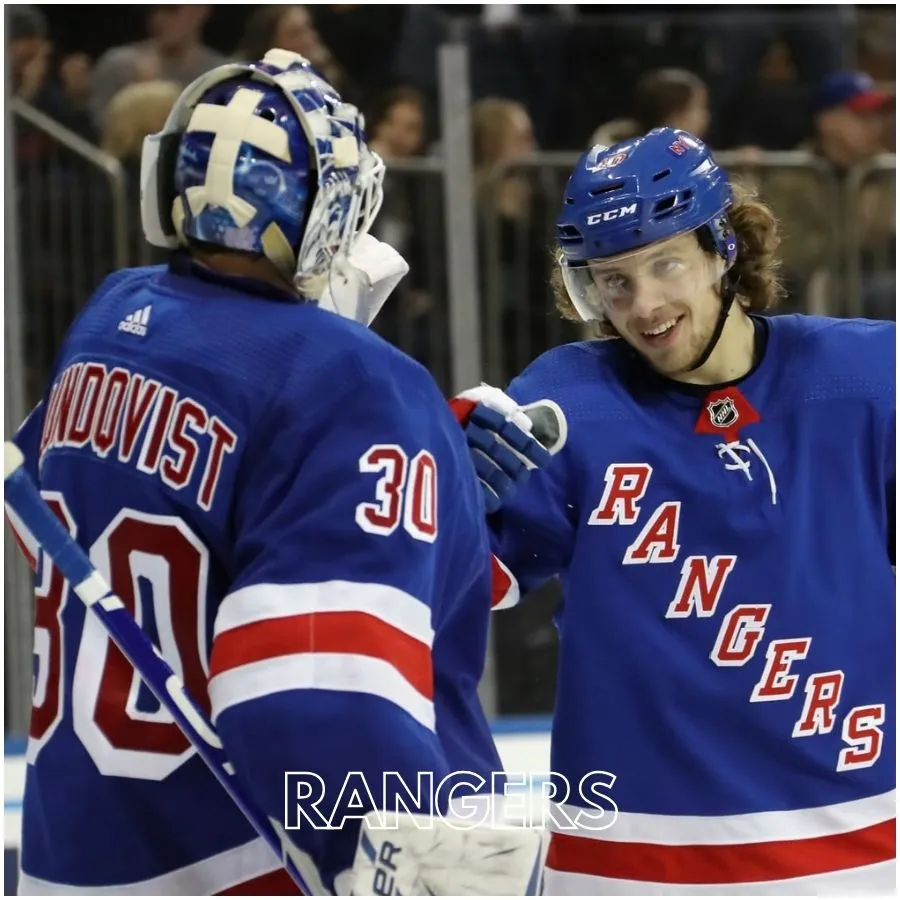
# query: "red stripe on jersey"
325,632
723,863
272,884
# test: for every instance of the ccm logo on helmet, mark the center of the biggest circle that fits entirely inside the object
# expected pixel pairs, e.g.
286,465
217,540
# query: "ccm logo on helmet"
611,214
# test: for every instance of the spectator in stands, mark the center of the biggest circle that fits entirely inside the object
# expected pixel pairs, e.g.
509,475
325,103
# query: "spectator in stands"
173,51
816,38
396,129
75,72
28,50
849,123
396,123
134,112
673,97
289,28
513,228
26,33
59,94
850,118
501,133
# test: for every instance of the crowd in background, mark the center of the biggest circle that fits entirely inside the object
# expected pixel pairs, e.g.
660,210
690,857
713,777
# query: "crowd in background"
749,79
571,68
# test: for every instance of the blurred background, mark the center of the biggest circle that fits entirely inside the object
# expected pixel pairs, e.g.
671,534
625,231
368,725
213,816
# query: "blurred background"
480,112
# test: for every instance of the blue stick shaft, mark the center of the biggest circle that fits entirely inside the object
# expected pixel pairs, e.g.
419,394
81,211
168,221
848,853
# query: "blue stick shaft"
24,499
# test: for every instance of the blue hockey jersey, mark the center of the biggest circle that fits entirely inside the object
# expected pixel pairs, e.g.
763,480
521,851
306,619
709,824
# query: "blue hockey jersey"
287,505
727,627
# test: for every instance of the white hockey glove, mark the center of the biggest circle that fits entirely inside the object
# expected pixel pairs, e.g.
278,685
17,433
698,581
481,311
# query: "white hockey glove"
423,856
506,441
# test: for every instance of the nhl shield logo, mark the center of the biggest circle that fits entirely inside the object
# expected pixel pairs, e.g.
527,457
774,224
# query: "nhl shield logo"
723,413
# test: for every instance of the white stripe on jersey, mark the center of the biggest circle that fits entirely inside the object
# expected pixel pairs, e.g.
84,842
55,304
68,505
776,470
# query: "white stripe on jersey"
319,671
778,825
272,601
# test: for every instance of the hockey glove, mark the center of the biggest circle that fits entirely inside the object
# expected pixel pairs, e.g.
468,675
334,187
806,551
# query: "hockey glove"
506,441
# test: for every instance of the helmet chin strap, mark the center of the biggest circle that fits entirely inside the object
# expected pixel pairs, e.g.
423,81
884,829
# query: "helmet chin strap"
727,293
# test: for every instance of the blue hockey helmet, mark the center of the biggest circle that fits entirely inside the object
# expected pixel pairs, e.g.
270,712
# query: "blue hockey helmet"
264,158
620,199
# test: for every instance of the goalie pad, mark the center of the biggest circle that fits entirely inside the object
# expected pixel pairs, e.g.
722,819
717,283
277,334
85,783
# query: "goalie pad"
421,856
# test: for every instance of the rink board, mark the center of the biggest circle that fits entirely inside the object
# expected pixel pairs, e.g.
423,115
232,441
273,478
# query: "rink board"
524,746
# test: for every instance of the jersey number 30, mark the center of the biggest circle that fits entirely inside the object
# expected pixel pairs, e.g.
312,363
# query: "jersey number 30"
406,492
160,561
121,726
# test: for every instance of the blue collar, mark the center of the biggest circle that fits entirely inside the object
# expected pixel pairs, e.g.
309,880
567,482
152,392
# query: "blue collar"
183,264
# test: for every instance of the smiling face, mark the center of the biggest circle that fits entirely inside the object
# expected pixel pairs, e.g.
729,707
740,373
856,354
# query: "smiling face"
663,300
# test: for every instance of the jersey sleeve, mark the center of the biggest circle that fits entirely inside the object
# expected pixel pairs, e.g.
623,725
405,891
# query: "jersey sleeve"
322,651
532,535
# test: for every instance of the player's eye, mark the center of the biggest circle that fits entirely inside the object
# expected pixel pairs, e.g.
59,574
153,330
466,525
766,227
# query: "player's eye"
615,288
667,267
615,282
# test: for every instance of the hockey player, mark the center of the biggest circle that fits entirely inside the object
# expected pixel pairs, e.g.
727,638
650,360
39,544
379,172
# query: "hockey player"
284,502
722,523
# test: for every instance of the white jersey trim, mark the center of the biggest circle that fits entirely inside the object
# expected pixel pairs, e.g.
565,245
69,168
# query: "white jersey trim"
319,671
779,825
259,602
202,879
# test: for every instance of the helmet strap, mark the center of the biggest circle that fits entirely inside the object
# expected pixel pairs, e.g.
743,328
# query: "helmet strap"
727,292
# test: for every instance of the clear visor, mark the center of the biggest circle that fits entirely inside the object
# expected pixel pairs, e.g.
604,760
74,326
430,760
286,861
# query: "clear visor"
673,271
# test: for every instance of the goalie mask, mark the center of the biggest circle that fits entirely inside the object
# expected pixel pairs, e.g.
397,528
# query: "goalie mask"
266,158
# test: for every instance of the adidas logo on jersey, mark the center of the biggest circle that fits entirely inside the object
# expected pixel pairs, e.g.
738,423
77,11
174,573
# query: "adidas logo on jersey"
136,322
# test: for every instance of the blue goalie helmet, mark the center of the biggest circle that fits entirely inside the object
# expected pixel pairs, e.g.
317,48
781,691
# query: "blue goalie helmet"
622,198
264,158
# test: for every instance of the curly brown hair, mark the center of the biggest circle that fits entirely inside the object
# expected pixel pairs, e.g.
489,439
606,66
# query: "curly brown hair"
755,270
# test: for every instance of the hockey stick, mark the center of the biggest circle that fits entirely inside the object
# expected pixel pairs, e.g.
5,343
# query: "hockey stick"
25,501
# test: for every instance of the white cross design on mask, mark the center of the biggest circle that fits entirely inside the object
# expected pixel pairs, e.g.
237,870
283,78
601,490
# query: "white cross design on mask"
232,125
